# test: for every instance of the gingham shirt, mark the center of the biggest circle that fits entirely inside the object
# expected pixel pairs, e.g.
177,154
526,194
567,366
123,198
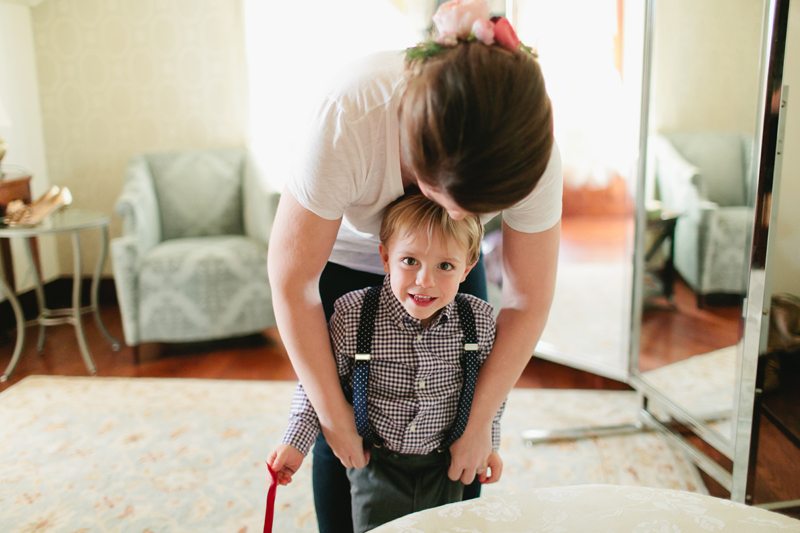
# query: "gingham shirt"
415,375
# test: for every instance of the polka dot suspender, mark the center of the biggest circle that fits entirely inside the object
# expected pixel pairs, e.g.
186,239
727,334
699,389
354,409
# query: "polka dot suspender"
470,365
469,362
366,327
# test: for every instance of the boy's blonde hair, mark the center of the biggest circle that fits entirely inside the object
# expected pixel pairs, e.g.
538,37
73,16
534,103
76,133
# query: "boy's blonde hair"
414,213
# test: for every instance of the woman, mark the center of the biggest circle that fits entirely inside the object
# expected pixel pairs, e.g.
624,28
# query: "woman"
468,121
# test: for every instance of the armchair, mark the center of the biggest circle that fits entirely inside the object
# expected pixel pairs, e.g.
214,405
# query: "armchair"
705,177
192,262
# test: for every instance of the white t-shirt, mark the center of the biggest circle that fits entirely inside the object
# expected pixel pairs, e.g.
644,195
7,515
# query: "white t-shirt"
347,163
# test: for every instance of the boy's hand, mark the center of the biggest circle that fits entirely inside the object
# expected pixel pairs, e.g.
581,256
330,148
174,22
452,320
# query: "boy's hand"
469,453
494,467
285,460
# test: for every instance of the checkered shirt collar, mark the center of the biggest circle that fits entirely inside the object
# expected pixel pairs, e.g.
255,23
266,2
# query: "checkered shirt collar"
400,315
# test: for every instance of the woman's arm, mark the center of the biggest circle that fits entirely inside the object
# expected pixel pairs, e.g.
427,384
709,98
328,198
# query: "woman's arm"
529,276
299,247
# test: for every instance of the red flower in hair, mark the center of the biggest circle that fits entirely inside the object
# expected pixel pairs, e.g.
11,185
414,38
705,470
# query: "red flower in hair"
504,34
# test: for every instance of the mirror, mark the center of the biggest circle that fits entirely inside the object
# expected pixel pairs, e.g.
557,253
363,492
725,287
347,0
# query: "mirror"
712,132
595,85
699,199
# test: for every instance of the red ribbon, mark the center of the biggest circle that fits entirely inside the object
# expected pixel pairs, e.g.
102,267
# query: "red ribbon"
273,488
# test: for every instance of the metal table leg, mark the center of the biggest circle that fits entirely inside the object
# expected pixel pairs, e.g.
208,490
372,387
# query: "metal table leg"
43,311
115,344
12,298
76,303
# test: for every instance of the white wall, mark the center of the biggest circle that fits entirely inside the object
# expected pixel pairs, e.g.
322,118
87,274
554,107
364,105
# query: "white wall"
705,76
129,76
19,91
786,274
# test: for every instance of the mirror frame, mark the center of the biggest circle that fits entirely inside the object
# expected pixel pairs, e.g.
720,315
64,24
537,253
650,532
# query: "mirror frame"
754,321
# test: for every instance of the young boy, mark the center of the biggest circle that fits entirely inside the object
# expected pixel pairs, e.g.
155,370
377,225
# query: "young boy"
408,353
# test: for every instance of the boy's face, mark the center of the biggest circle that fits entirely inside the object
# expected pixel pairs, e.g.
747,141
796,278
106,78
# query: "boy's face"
424,276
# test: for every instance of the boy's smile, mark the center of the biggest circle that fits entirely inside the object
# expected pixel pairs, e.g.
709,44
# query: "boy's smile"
425,273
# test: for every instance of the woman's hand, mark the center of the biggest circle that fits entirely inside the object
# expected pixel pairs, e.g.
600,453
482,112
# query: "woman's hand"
284,460
346,443
470,453
494,467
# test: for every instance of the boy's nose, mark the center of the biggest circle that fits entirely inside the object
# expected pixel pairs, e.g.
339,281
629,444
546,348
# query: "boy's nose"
424,278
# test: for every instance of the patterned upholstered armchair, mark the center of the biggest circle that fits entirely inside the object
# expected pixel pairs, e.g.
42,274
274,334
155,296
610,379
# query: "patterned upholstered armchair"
192,263
705,177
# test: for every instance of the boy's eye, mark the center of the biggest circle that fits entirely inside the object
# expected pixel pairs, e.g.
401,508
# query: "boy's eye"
446,266
410,261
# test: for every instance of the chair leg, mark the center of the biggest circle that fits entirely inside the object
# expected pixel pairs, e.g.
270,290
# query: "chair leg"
135,353
701,301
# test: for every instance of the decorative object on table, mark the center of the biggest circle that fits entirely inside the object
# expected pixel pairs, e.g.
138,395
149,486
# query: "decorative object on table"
5,122
192,263
18,213
130,454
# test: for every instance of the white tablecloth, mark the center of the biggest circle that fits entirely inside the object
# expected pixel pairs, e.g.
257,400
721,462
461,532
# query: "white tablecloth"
594,508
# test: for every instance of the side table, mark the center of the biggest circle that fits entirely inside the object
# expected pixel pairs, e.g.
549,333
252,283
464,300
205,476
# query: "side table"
663,229
73,221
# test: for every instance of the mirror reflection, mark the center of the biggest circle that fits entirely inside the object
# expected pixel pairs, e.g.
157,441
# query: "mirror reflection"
594,83
699,197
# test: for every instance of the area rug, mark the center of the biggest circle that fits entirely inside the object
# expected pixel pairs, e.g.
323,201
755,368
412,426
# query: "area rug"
86,455
702,385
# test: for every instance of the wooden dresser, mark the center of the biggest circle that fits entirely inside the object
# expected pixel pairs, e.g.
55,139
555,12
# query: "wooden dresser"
13,186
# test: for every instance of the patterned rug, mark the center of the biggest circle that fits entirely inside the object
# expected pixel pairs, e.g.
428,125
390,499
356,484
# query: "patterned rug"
86,455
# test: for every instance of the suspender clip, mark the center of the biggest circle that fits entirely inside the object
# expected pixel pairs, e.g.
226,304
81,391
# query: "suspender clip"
362,357
470,347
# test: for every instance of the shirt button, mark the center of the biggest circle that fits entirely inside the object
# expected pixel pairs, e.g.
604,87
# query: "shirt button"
419,337
421,384
412,427
400,325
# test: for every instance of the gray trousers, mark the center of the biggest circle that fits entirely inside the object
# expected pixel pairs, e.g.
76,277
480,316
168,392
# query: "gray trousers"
396,484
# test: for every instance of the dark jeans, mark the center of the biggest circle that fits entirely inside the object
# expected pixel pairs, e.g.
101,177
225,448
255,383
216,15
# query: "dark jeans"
329,477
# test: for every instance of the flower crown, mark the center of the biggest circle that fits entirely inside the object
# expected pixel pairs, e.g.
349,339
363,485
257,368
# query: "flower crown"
467,20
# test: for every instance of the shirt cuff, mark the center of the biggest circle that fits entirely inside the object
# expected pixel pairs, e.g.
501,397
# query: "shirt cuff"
496,427
301,433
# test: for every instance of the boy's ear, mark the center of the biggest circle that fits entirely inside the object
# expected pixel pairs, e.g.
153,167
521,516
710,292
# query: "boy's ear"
466,271
384,257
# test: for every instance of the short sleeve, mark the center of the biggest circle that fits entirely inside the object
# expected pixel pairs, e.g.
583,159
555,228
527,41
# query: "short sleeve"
327,168
541,209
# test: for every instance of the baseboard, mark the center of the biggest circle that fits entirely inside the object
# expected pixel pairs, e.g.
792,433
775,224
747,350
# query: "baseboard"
57,293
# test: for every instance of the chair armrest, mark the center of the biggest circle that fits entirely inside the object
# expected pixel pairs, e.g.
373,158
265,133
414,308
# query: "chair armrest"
137,205
126,264
260,201
679,182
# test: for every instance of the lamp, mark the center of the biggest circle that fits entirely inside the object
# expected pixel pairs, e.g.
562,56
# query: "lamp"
5,122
